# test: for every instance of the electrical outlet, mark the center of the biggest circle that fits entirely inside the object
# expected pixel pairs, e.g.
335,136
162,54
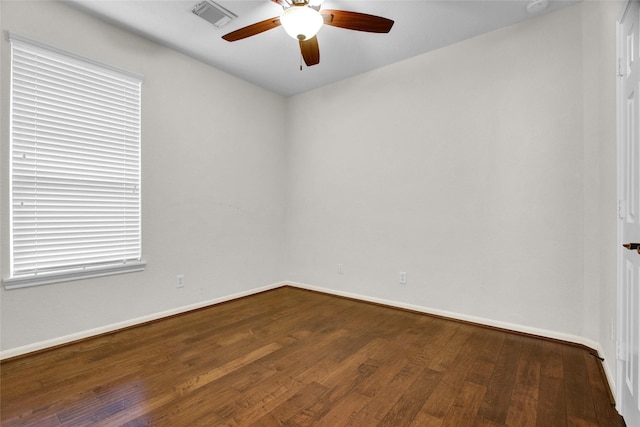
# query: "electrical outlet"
403,278
180,281
340,268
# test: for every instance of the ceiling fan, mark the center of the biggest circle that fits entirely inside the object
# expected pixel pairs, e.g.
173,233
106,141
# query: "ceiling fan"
302,19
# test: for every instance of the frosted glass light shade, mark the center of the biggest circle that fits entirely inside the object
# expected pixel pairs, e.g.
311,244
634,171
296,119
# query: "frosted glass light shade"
301,22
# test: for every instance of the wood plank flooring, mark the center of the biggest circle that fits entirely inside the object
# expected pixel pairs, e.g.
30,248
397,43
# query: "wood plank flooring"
290,357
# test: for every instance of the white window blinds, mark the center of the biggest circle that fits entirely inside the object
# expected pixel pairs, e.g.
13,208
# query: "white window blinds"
75,167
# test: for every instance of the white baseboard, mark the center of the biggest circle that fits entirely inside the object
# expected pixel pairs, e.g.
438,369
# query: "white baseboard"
576,339
17,351
155,316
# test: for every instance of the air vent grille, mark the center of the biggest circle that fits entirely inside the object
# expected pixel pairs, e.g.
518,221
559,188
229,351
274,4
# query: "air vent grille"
214,13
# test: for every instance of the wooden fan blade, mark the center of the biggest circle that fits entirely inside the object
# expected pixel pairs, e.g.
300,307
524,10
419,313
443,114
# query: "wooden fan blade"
252,30
310,51
357,21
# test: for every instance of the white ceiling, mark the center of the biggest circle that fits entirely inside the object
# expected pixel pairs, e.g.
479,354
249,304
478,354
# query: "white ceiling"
272,59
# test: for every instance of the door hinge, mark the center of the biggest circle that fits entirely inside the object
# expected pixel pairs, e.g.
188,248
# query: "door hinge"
619,70
619,350
622,209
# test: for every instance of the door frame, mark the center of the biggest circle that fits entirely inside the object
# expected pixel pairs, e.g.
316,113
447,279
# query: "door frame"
620,167
619,198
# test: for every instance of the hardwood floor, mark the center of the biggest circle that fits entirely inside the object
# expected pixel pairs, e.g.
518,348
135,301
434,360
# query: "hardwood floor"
290,357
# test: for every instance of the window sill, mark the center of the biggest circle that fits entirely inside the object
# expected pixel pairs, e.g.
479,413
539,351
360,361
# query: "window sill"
46,279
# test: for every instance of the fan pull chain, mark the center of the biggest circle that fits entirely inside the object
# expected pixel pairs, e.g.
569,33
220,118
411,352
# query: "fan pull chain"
300,62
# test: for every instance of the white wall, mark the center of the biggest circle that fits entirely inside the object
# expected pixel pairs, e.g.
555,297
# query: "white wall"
213,184
476,169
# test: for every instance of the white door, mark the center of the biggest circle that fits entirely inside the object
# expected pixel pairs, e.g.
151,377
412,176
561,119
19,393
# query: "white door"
629,214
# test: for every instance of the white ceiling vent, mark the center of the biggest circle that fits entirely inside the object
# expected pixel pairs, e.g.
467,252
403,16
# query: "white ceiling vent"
214,13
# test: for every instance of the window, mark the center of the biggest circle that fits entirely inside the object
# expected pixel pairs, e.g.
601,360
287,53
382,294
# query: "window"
75,167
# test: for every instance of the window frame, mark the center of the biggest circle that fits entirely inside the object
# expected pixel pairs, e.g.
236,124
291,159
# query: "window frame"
79,270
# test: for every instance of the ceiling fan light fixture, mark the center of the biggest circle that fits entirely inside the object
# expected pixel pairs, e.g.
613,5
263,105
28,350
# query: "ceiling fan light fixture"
301,22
